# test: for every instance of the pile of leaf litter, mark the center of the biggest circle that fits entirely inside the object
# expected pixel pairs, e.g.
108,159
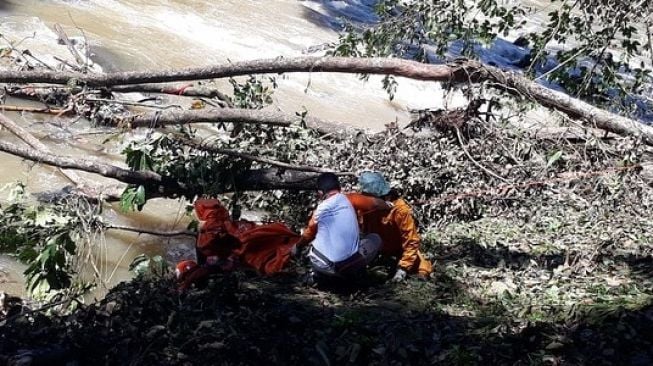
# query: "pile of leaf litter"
247,320
542,251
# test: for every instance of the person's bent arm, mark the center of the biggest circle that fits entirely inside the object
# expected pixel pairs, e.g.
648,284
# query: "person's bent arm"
309,233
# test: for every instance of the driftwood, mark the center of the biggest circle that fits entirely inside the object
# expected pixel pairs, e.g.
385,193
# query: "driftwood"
44,110
89,189
466,71
32,141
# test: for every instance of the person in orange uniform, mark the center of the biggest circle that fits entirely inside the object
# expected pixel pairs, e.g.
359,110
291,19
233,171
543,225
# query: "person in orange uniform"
381,210
224,245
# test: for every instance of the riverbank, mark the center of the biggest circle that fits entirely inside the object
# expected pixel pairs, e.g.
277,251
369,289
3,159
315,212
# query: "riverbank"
539,232
538,273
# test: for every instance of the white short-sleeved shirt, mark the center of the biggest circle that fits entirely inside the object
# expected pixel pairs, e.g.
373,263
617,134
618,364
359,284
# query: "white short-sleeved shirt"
337,228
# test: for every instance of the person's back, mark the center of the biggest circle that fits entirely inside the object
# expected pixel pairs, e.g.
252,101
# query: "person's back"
337,229
337,251
378,216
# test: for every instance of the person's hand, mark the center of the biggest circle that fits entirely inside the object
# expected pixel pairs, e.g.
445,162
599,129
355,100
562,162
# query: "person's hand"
399,276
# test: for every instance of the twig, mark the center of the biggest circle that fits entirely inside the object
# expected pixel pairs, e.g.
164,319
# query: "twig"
122,257
486,170
43,63
14,49
46,110
280,164
74,67
64,38
572,58
151,232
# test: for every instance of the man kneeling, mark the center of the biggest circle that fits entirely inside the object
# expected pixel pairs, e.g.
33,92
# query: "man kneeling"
337,252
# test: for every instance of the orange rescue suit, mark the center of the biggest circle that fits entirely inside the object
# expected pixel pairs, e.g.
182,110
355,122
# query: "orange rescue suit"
265,248
394,222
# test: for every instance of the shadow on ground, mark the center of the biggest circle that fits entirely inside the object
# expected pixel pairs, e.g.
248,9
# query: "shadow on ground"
240,319
473,253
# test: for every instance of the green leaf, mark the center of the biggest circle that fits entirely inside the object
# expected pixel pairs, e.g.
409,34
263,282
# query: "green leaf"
27,255
554,158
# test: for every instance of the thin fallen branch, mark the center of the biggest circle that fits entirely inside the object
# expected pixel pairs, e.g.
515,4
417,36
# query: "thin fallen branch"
264,160
503,189
45,110
233,115
466,71
151,232
471,158
126,102
188,90
45,94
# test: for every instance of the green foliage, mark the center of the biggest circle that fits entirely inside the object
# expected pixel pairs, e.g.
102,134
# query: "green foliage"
597,43
144,265
42,236
133,198
253,94
51,269
405,28
178,155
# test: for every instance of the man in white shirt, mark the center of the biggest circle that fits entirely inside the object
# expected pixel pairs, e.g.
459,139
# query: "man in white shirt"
333,229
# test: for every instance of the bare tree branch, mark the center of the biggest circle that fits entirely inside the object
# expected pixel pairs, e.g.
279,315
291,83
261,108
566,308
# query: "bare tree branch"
233,115
264,160
251,180
458,72
151,232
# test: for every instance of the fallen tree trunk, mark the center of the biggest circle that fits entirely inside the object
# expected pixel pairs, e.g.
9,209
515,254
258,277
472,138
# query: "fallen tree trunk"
89,189
251,180
467,71
409,69
33,142
232,115
68,162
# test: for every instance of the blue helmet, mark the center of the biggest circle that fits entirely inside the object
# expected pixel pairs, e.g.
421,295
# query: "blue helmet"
373,183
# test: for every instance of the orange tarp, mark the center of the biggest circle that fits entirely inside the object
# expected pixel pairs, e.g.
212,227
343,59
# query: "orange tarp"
265,248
